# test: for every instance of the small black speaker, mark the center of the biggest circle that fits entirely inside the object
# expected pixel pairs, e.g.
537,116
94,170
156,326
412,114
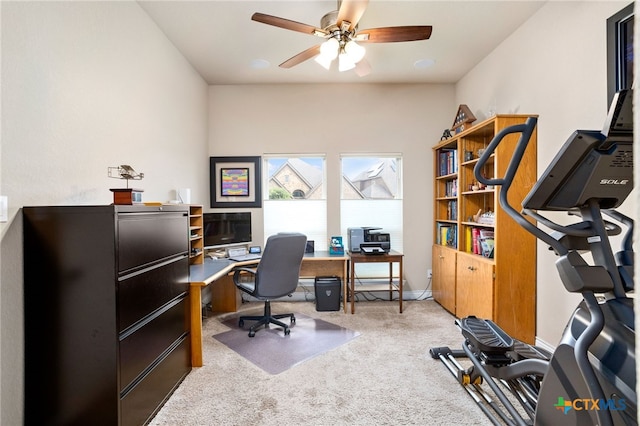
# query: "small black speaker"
328,290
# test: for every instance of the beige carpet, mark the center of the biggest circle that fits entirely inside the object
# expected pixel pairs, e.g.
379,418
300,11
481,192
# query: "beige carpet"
384,377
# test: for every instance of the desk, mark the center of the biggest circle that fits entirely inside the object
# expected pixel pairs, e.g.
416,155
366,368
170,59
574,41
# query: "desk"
322,264
225,297
391,258
201,276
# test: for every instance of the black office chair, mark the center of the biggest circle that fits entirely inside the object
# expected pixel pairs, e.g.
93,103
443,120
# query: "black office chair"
276,276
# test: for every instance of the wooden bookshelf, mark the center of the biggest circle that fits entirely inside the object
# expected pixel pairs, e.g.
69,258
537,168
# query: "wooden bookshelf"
501,284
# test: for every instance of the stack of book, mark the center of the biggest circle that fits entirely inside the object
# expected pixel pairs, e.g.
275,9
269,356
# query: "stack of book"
479,241
448,162
447,235
452,210
451,188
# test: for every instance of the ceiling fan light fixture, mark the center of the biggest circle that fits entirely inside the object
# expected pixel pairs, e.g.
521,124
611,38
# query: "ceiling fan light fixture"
323,60
329,49
328,52
345,63
355,51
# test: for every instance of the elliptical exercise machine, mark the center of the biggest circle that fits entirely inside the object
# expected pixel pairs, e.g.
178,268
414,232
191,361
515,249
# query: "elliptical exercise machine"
590,379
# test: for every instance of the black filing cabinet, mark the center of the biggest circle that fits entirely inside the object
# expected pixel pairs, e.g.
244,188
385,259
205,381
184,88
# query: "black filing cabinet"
106,312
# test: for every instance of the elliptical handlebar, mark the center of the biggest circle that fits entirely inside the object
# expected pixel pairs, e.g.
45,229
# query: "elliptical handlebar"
526,131
627,241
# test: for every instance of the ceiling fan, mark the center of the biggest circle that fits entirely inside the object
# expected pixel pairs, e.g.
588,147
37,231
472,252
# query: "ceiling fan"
340,29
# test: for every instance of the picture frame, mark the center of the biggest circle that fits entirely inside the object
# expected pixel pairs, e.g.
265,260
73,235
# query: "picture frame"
235,182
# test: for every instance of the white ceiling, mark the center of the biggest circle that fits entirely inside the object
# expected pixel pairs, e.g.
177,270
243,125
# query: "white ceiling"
221,41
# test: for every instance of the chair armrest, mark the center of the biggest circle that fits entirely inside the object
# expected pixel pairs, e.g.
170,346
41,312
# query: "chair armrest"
237,271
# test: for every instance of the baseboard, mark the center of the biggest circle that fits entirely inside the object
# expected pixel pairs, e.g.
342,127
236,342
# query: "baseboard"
544,345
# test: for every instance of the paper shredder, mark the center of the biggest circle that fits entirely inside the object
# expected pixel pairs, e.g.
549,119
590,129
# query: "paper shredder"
328,291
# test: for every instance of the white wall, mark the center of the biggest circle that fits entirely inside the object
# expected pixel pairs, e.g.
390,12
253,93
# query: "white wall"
554,65
85,86
335,119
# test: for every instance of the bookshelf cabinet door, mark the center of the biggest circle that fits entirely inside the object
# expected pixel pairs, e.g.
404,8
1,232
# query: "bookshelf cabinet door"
474,287
444,277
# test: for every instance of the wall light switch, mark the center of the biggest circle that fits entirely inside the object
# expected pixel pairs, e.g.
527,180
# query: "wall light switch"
4,208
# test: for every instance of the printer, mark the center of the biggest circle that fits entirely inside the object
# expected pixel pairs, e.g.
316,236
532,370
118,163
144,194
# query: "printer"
368,240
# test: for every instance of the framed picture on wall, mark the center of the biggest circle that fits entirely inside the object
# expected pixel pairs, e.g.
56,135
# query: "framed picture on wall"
235,182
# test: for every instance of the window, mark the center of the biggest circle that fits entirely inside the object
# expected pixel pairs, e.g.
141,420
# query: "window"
372,196
295,199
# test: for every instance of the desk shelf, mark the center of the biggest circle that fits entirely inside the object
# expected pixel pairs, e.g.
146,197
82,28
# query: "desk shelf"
196,235
371,288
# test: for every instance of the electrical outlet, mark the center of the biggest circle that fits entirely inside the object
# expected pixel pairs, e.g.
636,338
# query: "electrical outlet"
429,273
4,207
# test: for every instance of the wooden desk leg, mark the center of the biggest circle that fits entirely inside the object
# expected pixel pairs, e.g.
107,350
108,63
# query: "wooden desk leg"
401,283
196,325
390,281
345,290
353,286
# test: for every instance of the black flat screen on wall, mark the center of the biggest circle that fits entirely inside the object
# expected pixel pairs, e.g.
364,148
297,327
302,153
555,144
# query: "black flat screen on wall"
619,51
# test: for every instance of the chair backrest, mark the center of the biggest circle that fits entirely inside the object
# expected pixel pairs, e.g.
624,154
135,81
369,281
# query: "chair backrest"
279,268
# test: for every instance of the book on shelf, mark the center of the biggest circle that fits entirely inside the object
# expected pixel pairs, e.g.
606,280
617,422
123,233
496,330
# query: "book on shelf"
452,210
451,188
448,161
475,237
486,243
446,235
479,241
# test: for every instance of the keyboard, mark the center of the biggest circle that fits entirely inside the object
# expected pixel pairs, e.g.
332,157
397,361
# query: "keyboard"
245,257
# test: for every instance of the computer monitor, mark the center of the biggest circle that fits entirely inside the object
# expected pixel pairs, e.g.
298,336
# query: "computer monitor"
226,229
591,165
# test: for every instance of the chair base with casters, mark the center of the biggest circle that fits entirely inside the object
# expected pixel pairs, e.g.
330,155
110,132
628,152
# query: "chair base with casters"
267,319
275,276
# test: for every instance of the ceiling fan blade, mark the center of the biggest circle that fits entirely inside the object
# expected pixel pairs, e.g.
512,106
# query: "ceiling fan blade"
301,57
362,68
287,24
351,11
393,34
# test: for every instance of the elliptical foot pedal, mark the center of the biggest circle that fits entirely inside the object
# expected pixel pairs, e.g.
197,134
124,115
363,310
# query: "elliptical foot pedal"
523,350
485,335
